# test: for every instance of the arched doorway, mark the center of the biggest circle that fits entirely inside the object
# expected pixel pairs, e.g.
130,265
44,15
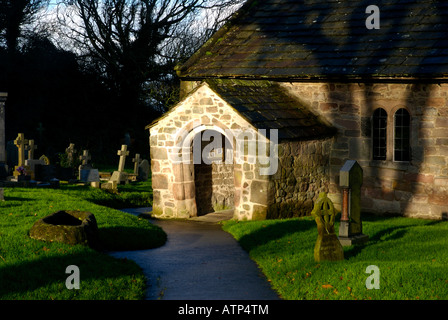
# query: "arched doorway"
213,172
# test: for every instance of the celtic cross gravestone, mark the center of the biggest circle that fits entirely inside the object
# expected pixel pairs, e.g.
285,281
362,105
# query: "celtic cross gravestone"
21,142
328,247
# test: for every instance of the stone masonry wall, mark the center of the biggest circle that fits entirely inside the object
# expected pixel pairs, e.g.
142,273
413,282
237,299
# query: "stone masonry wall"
303,173
418,188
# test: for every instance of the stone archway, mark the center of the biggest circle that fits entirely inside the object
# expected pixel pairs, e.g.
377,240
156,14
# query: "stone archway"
202,184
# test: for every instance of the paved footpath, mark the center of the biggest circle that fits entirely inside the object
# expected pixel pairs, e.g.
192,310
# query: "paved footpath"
199,261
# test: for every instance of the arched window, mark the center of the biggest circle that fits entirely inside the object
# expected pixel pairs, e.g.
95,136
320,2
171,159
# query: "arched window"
379,134
402,135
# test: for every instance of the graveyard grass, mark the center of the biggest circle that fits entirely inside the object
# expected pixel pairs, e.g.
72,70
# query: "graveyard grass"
411,255
32,269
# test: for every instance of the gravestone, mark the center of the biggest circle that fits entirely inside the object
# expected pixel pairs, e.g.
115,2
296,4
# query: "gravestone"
31,163
86,172
120,176
328,247
110,185
45,159
85,157
30,148
143,170
350,228
122,153
20,142
44,172
89,175
136,161
70,152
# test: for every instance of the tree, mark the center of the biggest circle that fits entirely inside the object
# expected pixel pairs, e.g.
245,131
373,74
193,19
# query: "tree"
130,42
13,15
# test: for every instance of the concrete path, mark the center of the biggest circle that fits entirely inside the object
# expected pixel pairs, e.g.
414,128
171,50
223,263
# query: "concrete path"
199,261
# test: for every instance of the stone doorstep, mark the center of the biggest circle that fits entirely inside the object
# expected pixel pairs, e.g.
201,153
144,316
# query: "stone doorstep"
215,216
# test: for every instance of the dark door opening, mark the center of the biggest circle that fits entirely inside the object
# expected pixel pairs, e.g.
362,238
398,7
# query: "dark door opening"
214,180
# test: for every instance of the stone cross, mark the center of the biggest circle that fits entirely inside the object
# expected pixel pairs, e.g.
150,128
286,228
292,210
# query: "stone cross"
122,153
31,147
40,129
328,247
136,161
350,180
85,157
20,142
70,151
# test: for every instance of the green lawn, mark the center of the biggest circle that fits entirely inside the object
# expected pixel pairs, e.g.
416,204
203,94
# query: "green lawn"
411,254
32,269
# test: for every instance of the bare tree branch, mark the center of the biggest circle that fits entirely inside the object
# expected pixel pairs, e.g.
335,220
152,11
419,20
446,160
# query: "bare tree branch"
134,42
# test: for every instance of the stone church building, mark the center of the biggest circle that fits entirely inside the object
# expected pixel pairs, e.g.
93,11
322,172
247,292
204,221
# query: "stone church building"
285,92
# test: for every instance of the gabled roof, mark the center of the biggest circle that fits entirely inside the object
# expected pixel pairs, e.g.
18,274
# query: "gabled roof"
303,39
266,105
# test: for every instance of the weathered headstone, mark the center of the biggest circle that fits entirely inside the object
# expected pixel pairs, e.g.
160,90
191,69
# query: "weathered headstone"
29,163
85,157
120,176
89,175
45,159
328,247
32,165
143,170
30,148
70,152
20,143
136,161
350,228
122,153
44,172
110,185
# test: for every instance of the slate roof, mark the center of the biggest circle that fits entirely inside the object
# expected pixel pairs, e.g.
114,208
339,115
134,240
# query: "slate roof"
307,39
266,105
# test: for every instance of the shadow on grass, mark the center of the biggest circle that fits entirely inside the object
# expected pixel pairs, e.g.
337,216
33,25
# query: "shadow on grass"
21,279
131,238
275,231
18,202
388,234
